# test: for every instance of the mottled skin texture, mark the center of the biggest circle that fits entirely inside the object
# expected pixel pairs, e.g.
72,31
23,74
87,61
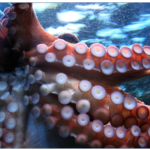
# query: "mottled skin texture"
17,48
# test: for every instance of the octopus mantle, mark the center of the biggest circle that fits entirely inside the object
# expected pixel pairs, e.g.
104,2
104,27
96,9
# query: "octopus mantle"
69,85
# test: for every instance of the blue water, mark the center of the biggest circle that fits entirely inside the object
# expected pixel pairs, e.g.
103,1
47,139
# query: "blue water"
119,24
106,23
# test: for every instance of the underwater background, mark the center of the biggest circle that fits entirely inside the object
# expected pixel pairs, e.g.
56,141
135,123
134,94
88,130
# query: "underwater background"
118,24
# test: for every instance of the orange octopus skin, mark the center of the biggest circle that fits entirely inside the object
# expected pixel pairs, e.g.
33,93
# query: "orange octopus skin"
73,87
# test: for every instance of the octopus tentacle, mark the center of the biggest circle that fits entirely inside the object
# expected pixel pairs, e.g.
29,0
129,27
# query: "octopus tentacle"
69,37
71,86
21,29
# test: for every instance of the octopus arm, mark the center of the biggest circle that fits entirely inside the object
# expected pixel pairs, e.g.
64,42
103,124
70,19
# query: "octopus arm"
69,86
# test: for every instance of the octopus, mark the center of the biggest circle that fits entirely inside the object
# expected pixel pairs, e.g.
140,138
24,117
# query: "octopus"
68,86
